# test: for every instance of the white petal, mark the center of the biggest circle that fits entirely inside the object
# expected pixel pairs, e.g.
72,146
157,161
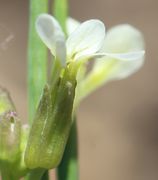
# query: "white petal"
120,65
87,39
124,69
71,25
122,39
124,52
119,56
52,35
131,56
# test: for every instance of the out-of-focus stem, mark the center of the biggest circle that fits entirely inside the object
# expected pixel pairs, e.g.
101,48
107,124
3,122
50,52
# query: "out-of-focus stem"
60,11
37,66
45,176
68,169
37,57
36,174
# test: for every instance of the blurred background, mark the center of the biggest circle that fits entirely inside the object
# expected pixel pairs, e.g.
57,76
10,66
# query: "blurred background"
118,124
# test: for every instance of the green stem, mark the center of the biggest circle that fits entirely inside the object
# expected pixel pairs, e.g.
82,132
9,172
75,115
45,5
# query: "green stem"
45,176
60,11
37,57
36,174
37,68
68,169
5,176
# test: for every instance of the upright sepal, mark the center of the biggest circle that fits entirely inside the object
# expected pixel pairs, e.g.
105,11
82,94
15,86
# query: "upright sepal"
11,153
10,131
6,103
52,123
10,139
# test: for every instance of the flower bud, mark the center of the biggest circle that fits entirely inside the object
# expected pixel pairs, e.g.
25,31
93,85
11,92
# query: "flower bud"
51,125
5,102
11,137
10,130
22,170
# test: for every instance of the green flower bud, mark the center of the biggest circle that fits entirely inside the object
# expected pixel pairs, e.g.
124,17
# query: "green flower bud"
10,131
21,167
6,103
11,139
52,123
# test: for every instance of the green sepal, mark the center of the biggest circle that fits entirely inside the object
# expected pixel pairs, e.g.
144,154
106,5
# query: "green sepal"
11,153
10,140
6,103
52,123
21,168
35,140
10,132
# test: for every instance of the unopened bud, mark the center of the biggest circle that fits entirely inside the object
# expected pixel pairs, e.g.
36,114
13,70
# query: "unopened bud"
5,102
10,132
51,125
11,137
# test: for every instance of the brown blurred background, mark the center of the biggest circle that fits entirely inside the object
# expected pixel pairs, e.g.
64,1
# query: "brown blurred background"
118,124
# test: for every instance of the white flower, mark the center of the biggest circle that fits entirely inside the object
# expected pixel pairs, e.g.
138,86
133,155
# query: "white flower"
117,55
83,43
71,25
124,50
124,47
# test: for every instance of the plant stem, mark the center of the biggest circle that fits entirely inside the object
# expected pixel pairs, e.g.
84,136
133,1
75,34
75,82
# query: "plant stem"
36,174
68,169
37,68
60,11
45,176
37,58
5,176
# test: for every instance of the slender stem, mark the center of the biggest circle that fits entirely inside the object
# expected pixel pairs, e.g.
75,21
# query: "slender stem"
45,176
37,68
36,174
37,56
68,169
5,176
60,11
